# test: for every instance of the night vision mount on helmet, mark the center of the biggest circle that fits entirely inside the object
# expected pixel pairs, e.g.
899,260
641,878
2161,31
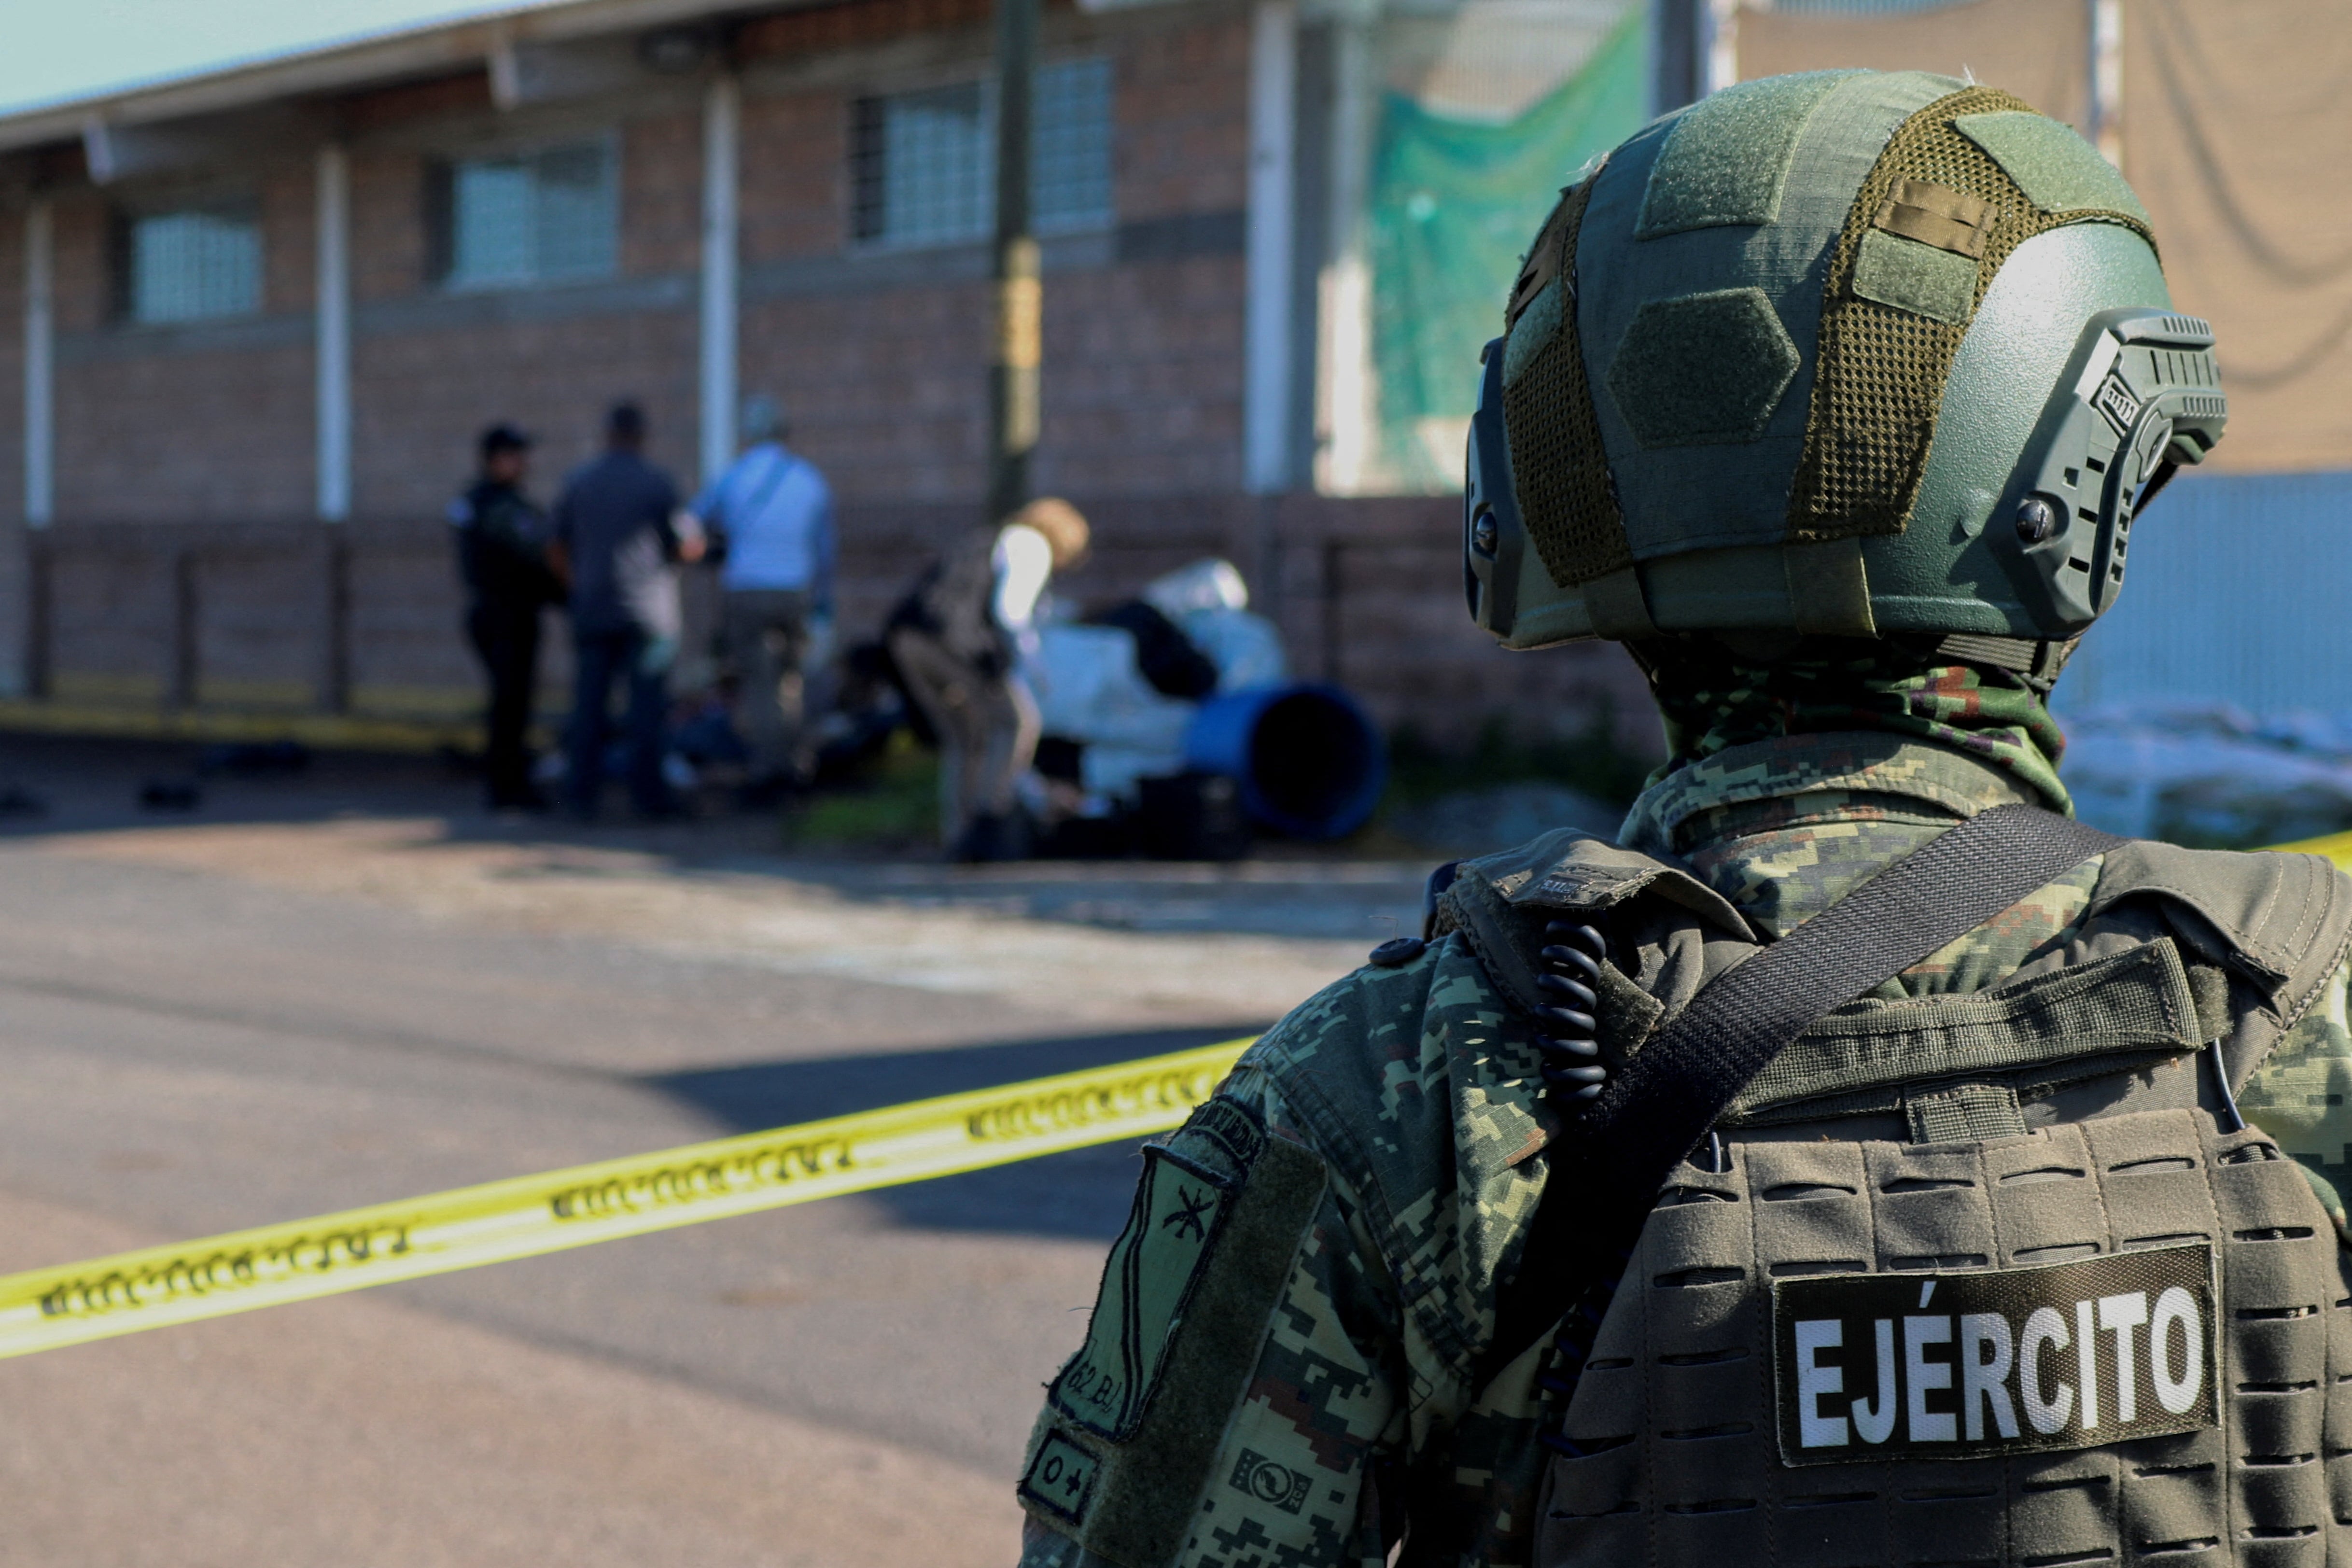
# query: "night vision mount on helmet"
1847,353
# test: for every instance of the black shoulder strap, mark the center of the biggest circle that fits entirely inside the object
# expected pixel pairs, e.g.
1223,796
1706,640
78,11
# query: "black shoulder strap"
1678,1085
1609,1163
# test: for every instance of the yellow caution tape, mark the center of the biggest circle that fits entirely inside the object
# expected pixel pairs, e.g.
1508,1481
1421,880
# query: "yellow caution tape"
2335,846
521,1218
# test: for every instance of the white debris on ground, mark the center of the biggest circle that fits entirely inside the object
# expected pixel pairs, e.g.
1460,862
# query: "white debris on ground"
2209,773
1210,604
1091,689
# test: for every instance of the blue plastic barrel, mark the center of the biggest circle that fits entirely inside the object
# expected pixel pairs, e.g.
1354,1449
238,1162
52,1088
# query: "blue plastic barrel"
1307,759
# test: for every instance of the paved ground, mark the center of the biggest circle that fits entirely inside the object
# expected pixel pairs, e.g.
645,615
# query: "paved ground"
325,991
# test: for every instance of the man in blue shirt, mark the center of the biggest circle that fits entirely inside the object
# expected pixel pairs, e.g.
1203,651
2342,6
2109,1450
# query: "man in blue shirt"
617,545
775,512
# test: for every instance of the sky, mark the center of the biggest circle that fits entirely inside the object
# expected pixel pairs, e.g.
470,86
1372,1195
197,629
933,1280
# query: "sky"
61,50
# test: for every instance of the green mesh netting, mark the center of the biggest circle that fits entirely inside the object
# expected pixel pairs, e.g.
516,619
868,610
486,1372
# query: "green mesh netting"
1454,203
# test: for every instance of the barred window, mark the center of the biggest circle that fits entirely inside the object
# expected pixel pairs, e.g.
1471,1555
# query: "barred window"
923,165
193,265
924,175
547,216
1070,159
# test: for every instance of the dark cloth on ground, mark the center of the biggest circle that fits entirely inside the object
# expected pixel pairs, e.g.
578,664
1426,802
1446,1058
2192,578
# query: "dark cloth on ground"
1169,660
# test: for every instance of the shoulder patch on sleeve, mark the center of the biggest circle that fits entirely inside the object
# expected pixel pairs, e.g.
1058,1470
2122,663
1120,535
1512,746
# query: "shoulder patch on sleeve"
1060,1477
1133,1422
1181,1207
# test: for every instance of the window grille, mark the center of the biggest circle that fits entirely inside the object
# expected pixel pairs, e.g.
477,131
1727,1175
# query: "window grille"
932,179
193,265
547,216
923,165
1069,160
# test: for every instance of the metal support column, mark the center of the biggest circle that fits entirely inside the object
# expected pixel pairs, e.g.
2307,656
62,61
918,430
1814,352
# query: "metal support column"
333,419
40,363
722,115
33,673
333,389
1345,409
1274,109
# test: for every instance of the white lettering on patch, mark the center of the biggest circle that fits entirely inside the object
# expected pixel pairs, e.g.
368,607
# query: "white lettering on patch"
2063,1355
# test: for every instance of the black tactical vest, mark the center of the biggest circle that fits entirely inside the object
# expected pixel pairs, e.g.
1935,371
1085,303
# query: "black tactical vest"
1991,1278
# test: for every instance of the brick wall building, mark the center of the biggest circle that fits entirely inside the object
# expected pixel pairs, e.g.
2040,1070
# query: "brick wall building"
265,314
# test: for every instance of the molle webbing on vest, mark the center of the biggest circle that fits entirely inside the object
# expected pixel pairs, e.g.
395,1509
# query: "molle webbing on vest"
1674,1412
1881,368
1560,469
1700,1061
2135,1003
1964,1113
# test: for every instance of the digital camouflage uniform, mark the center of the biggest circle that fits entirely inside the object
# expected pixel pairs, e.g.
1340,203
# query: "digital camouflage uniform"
1416,1086
1835,397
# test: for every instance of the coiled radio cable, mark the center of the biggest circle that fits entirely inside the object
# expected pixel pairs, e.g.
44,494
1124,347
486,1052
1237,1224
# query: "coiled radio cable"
1569,979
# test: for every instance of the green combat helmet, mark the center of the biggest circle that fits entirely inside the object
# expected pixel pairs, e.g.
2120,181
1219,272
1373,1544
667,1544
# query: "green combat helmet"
1848,353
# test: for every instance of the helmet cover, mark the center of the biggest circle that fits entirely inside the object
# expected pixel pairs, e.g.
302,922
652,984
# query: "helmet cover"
1848,353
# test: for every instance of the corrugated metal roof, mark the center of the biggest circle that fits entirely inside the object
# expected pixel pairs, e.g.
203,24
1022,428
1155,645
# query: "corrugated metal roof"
67,56
445,44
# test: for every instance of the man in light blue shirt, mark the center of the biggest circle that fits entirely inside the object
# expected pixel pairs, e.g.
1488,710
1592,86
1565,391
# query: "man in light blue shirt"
775,512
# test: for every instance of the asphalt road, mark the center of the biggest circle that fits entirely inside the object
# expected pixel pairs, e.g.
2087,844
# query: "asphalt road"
349,987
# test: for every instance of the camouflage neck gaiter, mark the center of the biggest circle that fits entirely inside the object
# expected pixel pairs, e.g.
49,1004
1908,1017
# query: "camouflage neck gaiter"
1714,698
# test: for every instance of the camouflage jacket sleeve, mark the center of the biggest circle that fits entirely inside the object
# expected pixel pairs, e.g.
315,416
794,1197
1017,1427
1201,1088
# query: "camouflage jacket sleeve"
1353,1413
1276,1472
2301,1096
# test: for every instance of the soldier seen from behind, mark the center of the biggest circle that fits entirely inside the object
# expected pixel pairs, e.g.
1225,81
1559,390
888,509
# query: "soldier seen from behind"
502,557
1858,1162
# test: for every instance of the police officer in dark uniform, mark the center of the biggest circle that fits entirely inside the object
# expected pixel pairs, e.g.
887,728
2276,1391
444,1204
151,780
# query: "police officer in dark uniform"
502,555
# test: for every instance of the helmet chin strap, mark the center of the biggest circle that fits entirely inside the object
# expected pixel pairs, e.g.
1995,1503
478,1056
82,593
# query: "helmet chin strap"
2038,661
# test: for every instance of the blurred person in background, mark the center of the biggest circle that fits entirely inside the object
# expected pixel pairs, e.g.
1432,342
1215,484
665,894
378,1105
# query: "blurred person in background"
619,536
771,511
960,641
502,556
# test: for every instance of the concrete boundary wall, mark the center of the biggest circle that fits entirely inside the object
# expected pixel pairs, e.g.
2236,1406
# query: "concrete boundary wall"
361,620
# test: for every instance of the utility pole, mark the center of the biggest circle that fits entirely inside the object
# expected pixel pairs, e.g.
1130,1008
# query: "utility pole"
1695,50
1019,293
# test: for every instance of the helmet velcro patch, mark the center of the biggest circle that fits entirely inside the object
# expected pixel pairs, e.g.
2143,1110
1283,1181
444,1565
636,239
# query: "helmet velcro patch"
1937,215
2057,170
1702,368
1559,470
1891,318
1726,159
